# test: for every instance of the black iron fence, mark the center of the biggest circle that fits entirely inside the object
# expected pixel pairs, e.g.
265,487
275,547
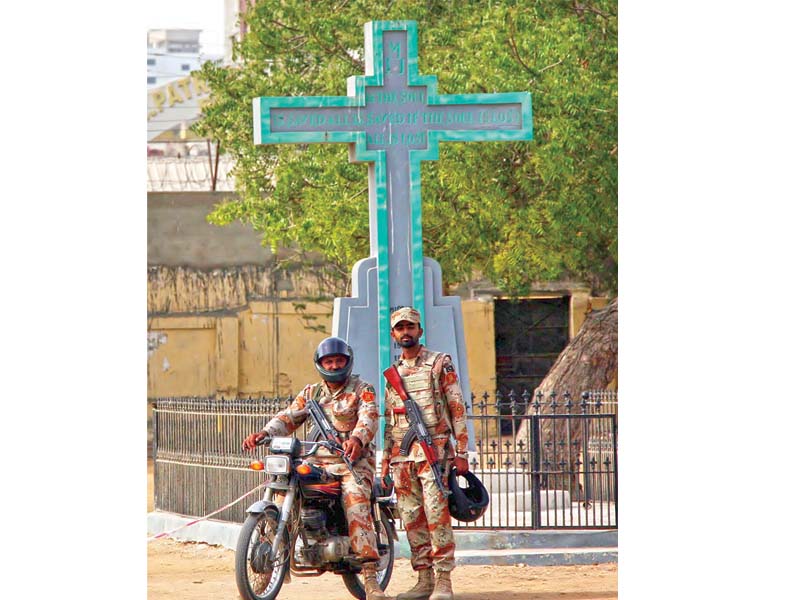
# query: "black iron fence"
547,461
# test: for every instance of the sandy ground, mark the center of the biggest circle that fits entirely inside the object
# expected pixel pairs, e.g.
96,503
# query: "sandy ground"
177,570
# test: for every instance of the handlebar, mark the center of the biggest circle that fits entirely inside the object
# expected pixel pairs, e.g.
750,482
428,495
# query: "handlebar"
314,445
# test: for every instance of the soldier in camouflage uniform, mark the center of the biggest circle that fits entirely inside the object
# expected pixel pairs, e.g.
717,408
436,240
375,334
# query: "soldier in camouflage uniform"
430,380
349,403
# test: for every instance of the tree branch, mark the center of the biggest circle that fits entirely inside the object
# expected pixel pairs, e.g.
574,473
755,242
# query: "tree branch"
579,8
514,51
284,26
340,51
358,193
555,64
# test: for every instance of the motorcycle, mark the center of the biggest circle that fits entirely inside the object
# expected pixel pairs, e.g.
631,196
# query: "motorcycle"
308,534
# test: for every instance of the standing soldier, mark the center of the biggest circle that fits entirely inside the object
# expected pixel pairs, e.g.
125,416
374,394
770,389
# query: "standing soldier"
430,380
349,404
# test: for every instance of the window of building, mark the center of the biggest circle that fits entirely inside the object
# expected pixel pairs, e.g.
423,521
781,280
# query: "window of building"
150,80
151,62
185,67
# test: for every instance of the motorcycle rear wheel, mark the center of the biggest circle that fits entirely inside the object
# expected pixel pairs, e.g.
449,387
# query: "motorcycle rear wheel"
353,582
255,538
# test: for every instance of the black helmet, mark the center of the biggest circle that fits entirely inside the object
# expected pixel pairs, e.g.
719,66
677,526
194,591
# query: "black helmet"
467,504
327,347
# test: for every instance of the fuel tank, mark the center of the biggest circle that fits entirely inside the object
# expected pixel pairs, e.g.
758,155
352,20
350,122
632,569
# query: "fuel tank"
316,482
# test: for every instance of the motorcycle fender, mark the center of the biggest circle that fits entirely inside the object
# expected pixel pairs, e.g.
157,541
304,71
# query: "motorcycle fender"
389,507
388,522
257,508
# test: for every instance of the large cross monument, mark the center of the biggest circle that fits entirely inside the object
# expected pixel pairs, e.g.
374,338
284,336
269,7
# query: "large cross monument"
393,118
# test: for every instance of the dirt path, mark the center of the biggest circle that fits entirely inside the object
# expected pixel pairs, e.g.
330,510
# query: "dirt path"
178,570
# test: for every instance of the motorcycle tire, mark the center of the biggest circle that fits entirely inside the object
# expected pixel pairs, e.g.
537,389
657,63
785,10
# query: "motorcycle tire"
352,581
256,530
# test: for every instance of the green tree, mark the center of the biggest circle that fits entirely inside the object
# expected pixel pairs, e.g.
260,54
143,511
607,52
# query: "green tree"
515,213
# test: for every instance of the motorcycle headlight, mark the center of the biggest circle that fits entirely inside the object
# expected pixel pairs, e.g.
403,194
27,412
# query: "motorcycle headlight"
276,465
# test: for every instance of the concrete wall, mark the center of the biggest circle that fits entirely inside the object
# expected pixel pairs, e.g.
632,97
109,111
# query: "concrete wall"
479,338
179,235
182,356
263,350
222,321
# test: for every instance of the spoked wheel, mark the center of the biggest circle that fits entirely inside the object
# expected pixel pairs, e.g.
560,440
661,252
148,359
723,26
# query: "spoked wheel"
257,577
355,583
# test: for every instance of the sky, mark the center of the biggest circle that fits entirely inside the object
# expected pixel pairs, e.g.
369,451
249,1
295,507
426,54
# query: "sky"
208,15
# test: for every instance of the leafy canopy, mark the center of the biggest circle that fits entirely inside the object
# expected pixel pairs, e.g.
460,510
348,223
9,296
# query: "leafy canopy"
515,213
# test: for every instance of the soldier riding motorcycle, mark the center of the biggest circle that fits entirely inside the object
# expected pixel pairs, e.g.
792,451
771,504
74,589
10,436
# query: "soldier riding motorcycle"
307,535
321,512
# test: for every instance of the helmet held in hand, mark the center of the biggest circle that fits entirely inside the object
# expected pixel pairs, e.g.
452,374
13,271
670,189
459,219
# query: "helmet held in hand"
467,504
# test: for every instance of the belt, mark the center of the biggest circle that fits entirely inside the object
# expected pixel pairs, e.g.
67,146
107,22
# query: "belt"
399,410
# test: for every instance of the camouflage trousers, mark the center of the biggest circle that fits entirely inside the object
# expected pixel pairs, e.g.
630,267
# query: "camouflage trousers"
358,511
426,516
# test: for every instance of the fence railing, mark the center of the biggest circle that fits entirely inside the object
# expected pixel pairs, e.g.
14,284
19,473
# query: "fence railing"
547,461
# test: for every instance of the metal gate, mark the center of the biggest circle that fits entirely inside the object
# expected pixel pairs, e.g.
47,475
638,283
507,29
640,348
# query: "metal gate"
529,336
547,464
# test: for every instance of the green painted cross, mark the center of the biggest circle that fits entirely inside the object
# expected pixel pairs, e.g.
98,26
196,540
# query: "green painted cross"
393,118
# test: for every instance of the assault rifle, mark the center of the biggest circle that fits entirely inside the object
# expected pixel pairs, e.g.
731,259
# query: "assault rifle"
330,437
417,430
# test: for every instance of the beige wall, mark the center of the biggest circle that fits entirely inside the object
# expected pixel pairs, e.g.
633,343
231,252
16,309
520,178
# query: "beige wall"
266,348
479,338
276,347
182,357
581,303
257,342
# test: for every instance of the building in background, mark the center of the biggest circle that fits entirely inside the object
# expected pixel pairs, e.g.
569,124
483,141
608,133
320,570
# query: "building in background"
234,28
172,54
173,41
178,160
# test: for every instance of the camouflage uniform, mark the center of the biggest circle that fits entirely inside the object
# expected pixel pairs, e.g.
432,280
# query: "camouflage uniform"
353,412
430,380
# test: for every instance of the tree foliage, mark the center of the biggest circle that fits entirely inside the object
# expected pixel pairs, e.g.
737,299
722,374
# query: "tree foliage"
515,213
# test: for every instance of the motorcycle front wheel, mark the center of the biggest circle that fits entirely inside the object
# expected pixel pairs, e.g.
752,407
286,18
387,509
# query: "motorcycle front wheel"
354,583
257,577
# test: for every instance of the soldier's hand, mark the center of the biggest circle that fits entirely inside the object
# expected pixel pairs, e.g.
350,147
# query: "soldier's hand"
352,448
461,465
250,442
